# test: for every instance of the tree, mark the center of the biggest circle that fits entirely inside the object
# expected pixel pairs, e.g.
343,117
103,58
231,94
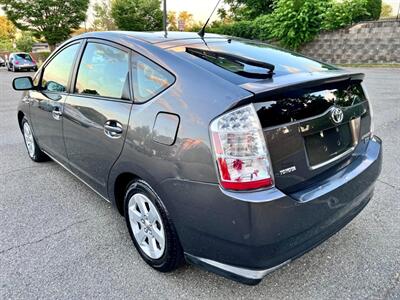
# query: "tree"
137,15
246,9
7,29
52,20
186,18
102,17
25,42
172,21
386,11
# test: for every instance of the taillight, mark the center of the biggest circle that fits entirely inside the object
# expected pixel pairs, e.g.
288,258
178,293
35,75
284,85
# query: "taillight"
17,62
240,151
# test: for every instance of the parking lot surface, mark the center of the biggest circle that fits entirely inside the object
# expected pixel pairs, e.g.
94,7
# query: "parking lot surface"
59,240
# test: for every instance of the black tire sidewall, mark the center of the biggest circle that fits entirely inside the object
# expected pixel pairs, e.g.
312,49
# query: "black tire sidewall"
172,251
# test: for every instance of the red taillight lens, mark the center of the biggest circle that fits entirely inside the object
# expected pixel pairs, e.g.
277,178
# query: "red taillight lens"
240,150
17,62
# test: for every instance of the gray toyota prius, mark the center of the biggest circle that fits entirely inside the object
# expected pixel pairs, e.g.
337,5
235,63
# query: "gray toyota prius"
226,153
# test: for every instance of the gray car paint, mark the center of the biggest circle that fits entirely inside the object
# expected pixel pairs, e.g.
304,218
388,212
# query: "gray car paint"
252,230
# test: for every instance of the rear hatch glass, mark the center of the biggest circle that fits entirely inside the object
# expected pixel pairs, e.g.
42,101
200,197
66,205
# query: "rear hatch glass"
285,62
310,130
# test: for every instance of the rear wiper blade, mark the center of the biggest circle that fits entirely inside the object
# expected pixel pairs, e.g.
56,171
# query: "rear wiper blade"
236,59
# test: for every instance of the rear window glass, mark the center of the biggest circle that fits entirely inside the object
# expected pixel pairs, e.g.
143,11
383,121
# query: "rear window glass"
149,79
285,62
22,56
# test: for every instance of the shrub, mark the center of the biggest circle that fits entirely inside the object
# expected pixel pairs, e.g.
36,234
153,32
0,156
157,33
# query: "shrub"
295,22
345,13
244,29
374,8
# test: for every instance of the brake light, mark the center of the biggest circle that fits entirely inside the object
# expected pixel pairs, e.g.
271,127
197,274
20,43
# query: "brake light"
240,151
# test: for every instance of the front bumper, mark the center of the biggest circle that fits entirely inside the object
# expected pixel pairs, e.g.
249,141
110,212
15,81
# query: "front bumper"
244,236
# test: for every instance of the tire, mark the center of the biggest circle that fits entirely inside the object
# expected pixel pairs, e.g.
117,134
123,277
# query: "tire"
32,147
163,259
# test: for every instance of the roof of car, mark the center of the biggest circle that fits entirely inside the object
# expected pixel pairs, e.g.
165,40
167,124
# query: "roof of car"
154,37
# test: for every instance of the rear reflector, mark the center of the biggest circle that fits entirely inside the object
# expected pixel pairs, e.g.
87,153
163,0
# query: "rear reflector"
240,151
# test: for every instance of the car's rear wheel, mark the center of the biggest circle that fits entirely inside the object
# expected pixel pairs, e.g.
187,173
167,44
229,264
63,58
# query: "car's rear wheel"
151,228
32,147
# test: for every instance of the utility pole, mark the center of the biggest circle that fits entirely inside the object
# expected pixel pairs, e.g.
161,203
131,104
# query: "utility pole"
398,12
165,18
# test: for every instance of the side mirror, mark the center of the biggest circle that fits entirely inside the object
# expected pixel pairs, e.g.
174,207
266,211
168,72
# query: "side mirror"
23,83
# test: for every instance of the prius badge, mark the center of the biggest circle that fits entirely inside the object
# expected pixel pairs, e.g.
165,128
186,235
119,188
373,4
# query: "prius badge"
337,114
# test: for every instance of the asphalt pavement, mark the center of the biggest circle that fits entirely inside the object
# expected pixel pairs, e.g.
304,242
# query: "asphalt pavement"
59,240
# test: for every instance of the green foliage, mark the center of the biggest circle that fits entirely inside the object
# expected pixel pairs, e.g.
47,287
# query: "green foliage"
245,9
345,13
137,15
6,45
52,20
374,8
102,17
25,42
257,29
295,22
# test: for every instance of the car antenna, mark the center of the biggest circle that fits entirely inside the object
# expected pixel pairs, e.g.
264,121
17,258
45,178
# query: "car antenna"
165,18
202,31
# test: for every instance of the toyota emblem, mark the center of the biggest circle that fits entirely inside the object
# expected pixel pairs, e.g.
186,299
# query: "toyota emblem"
337,114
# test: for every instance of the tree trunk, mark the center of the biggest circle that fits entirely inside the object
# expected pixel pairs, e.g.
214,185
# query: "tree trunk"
52,47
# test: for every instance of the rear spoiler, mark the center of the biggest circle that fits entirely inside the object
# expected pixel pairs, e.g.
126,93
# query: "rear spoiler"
287,83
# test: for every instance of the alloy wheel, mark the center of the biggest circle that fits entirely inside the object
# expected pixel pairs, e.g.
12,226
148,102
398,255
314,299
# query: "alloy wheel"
147,225
29,141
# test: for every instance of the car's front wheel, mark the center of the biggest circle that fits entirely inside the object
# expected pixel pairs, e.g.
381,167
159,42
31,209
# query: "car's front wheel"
151,228
33,149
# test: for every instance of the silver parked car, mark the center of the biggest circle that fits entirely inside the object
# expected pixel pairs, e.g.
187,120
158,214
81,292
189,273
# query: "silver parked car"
21,62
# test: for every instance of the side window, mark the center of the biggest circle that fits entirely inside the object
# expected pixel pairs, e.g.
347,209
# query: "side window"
103,71
56,74
149,79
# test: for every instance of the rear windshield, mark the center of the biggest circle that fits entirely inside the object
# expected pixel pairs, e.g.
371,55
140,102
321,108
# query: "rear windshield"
285,62
21,56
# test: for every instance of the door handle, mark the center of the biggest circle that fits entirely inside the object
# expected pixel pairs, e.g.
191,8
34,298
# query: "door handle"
56,113
113,129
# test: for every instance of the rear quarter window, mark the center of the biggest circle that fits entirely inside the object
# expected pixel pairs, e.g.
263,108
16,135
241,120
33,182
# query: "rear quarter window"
149,79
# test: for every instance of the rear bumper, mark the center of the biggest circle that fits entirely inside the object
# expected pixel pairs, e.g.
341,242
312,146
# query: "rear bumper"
27,68
244,236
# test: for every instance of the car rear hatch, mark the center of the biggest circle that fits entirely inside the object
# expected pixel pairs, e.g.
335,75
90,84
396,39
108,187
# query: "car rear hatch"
313,115
312,122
